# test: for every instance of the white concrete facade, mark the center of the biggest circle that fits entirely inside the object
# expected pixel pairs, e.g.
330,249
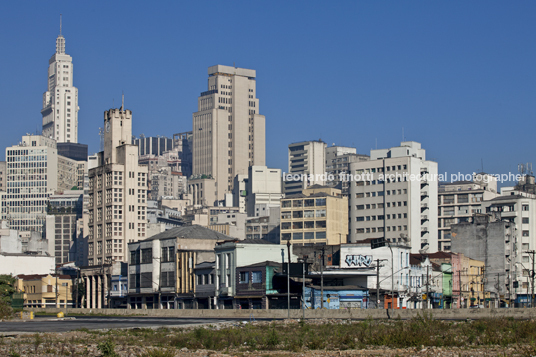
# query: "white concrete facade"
396,272
60,101
16,264
33,173
228,131
230,255
307,158
262,187
394,195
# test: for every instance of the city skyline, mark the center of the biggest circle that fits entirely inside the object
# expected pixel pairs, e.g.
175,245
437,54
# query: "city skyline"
366,75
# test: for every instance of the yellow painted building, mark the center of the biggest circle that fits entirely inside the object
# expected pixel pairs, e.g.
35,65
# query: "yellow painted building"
318,215
468,274
46,290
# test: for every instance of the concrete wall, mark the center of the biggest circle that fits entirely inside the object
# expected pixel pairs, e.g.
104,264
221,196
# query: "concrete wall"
26,264
357,314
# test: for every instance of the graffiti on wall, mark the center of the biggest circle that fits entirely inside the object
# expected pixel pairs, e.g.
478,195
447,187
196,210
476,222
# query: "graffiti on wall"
358,260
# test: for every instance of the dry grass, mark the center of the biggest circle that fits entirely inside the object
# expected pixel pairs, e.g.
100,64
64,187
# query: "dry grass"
292,336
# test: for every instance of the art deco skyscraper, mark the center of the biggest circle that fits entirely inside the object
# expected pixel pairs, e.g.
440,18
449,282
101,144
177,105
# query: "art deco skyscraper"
60,101
229,133
117,193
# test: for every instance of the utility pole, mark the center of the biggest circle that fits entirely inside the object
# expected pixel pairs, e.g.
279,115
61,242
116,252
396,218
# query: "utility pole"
460,283
426,304
322,279
377,283
378,243
288,279
75,305
532,273
303,290
57,301
392,278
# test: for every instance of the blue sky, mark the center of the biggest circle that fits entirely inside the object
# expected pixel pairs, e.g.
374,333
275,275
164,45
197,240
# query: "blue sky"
457,76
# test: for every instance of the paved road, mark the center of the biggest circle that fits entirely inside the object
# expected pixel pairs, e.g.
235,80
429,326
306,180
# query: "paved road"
47,323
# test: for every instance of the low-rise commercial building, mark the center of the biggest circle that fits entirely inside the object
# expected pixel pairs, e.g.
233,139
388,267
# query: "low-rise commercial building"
234,254
162,267
46,290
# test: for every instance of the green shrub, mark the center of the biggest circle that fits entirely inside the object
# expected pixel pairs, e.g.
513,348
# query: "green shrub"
107,348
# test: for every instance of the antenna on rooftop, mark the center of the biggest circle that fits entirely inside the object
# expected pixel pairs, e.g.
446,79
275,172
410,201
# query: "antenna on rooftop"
101,134
122,100
525,169
60,24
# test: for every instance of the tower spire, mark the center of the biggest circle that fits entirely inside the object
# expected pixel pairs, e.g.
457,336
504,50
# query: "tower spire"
60,41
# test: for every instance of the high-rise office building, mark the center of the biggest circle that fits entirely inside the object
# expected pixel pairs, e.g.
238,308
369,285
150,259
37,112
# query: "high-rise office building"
35,171
117,193
306,166
60,101
459,201
394,195
229,132
63,222
338,160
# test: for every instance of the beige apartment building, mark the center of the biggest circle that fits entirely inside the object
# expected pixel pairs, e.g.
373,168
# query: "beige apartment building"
228,131
318,215
459,201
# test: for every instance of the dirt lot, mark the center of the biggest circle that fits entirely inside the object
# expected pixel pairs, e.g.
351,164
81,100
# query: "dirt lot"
163,343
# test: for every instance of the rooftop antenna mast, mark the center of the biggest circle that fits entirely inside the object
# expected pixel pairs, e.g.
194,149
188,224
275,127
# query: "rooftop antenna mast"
101,134
122,100
525,169
60,23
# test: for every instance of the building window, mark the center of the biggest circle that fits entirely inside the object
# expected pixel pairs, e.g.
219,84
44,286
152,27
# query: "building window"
146,255
256,277
244,277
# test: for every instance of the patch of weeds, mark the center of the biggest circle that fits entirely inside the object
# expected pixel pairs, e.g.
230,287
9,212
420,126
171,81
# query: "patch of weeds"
37,341
107,348
272,340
